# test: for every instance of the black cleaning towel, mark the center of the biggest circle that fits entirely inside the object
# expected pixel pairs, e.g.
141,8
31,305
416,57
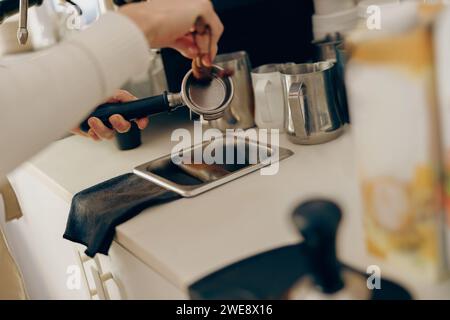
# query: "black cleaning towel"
95,212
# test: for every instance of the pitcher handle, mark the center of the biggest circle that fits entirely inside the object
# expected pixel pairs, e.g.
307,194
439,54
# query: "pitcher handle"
298,107
262,100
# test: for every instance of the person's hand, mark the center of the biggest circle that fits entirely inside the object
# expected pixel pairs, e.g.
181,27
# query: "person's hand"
99,131
169,23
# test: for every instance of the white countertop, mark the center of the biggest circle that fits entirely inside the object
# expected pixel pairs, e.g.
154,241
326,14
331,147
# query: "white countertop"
187,239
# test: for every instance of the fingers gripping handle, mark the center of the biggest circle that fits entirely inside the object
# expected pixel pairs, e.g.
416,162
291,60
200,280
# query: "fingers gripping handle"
129,110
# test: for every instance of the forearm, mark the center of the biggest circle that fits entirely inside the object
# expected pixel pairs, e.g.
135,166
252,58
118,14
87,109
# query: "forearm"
44,97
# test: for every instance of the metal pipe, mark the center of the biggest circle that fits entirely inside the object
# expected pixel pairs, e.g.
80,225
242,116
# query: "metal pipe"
22,32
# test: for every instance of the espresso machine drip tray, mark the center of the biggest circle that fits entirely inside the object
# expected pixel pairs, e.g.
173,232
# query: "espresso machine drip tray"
210,164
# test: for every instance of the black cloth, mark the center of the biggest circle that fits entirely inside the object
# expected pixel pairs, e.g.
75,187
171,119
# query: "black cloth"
95,212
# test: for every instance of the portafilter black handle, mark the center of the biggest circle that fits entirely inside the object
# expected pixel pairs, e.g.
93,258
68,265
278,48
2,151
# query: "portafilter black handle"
129,110
318,221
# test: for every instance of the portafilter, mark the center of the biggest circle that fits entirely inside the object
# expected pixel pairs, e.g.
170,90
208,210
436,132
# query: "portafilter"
209,99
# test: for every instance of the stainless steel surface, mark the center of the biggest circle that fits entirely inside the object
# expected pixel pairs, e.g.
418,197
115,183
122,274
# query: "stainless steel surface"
210,100
268,68
341,62
240,113
22,32
209,177
312,106
273,67
326,48
297,105
342,54
332,48
175,100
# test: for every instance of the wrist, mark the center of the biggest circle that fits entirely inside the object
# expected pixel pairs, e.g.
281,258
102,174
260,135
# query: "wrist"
141,20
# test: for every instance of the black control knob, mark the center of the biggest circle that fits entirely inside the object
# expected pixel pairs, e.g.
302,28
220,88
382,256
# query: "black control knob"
318,221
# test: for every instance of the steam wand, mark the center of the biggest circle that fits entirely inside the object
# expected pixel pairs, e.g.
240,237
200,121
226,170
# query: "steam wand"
22,32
